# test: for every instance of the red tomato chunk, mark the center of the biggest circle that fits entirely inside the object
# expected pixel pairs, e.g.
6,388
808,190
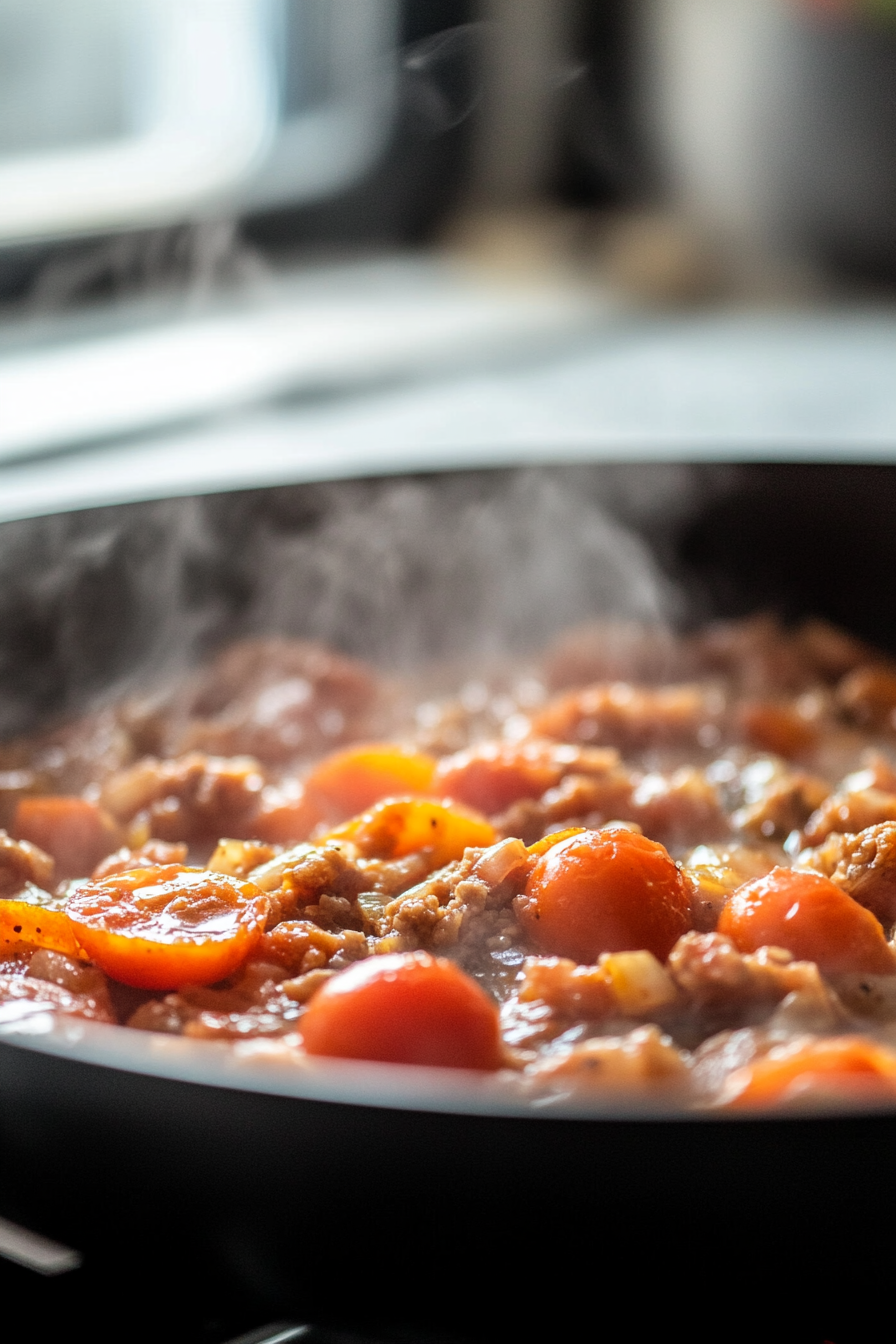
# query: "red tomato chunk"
604,891
412,1009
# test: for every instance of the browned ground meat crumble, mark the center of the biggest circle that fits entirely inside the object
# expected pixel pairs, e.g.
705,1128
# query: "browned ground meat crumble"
740,748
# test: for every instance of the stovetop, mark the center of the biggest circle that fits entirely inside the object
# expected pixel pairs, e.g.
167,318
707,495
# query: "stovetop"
62,1291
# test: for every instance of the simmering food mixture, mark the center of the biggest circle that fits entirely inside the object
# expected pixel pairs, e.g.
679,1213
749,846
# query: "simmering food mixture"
638,866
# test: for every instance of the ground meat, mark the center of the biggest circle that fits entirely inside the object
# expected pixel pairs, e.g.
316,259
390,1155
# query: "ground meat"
863,865
712,974
611,1064
849,813
677,809
759,654
777,800
302,945
578,800
22,862
631,717
308,876
195,798
20,995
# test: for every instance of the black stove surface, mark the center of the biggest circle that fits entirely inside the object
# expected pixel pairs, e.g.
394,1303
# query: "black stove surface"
62,1294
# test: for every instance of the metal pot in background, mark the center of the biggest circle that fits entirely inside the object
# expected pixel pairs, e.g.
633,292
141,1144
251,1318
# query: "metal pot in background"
771,125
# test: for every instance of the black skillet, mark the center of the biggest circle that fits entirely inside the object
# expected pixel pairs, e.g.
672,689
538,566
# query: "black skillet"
361,1195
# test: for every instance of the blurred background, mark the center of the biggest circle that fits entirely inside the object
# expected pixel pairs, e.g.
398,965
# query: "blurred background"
247,241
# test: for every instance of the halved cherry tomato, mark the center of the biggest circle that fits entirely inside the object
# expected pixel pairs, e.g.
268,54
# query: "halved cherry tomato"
159,928
405,1009
604,891
76,832
809,916
41,925
346,783
493,775
400,826
851,1067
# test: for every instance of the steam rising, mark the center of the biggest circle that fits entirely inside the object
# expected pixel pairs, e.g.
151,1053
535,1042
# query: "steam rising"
460,567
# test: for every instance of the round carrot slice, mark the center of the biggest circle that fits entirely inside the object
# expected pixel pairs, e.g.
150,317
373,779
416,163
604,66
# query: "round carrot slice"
848,1067
400,826
604,891
408,1008
349,781
158,928
809,916
41,925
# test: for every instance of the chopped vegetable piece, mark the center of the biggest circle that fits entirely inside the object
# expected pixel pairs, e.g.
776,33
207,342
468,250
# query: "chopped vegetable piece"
75,832
810,917
604,891
405,1009
399,826
159,928
851,1068
555,838
28,921
346,783
493,775
778,727
284,817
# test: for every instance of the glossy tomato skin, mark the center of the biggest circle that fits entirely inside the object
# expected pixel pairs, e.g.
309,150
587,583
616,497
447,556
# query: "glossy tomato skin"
163,927
604,891
809,916
407,1008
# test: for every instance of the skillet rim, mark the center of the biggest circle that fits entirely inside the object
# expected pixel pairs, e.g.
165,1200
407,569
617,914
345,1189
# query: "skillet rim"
254,1067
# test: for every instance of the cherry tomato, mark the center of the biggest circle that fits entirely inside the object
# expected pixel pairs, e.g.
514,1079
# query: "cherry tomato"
851,1067
809,916
604,891
159,928
76,832
493,775
407,1008
346,783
